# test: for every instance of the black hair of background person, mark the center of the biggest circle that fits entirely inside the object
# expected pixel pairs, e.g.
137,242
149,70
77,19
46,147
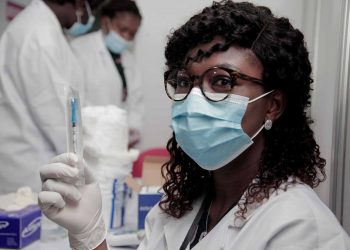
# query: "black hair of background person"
93,3
290,147
112,7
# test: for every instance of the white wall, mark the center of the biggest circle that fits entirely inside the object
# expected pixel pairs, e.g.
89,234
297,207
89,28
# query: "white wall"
326,72
3,21
159,17
331,102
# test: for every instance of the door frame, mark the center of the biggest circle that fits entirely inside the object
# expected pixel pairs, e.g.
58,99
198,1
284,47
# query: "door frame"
341,116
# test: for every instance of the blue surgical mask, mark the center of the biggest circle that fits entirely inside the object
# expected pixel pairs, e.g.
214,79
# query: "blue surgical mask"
211,132
116,43
78,28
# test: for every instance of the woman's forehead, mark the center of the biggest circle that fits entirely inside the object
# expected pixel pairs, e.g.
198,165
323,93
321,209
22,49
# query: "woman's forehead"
204,47
240,59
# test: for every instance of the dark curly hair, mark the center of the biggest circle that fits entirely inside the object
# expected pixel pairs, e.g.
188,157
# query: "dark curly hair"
290,148
93,3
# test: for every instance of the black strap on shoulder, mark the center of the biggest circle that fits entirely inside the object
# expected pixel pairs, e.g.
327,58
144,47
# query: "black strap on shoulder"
120,68
194,225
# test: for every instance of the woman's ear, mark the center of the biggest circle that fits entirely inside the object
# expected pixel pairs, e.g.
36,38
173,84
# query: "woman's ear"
276,105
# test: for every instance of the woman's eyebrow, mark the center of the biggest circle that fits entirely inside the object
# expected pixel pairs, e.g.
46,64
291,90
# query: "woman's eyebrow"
229,66
223,65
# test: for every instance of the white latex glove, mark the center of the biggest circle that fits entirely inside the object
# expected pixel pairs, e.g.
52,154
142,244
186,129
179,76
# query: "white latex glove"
76,208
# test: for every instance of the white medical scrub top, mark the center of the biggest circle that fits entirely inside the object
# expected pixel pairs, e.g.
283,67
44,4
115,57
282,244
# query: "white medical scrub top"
295,219
36,63
103,82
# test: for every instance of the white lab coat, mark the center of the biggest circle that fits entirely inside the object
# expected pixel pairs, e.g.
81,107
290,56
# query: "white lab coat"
292,220
103,82
36,63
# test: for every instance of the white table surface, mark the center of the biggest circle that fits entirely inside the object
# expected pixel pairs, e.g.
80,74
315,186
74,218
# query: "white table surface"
61,244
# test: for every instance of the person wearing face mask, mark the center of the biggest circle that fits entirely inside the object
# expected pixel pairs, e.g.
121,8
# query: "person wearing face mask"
36,63
244,160
112,76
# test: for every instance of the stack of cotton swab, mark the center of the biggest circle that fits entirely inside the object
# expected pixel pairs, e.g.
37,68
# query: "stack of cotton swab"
105,136
105,132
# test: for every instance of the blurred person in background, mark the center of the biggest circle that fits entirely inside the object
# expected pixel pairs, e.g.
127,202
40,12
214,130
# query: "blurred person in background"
112,76
36,63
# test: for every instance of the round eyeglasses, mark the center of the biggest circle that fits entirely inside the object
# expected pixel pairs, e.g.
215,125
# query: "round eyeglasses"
215,83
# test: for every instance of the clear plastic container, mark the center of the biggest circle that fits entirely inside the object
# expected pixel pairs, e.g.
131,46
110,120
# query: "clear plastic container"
118,205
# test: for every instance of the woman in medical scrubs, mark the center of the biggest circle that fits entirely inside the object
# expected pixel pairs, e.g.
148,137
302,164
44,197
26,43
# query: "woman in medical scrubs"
36,64
112,75
244,160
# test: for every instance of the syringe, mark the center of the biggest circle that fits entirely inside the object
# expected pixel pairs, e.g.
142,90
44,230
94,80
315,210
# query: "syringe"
73,104
74,130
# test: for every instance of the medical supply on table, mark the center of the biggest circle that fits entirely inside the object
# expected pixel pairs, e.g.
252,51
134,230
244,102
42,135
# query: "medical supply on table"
120,190
105,131
74,128
114,202
125,239
23,197
19,228
148,198
20,218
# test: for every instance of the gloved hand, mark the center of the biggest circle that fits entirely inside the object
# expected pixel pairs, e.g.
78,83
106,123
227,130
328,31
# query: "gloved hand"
76,208
134,137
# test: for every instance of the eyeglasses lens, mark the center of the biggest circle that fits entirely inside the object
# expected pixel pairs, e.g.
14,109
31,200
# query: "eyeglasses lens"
216,84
